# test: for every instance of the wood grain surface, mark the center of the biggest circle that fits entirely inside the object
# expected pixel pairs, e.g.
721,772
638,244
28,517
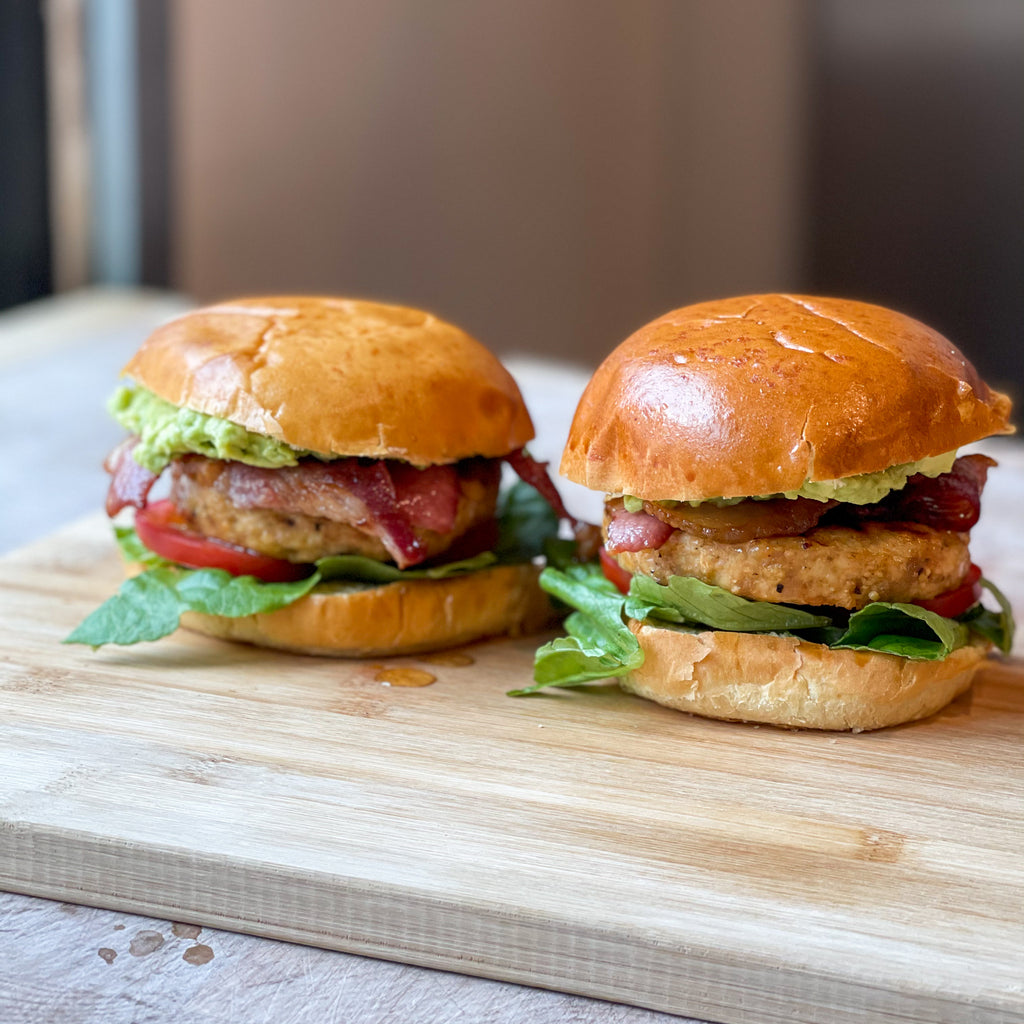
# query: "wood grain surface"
584,841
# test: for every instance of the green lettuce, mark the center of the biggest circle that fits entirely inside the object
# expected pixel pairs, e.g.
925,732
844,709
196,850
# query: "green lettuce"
599,643
149,606
996,627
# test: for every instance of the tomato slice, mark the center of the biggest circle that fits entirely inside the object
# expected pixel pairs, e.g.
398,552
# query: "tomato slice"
159,528
613,572
956,601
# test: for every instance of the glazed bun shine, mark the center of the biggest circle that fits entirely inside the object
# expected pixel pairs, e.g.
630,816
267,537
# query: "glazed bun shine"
755,395
339,377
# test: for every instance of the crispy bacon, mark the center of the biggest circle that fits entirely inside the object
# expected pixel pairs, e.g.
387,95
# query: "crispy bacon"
393,498
635,531
948,502
429,497
130,483
536,475
951,501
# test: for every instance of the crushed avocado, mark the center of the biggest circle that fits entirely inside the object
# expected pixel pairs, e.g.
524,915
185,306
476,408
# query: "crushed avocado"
857,490
166,430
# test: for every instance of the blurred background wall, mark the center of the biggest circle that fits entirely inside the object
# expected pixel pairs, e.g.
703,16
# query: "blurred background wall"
548,174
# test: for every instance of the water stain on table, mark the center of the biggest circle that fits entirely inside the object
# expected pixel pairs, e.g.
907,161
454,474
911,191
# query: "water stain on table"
197,955
145,942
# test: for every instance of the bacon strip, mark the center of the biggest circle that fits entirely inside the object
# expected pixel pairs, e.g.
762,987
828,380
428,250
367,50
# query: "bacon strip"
428,497
353,491
536,475
948,502
951,501
130,483
635,531
373,486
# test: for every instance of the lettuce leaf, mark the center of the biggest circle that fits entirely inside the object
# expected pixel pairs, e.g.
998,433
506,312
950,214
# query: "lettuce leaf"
996,627
360,569
600,645
149,606
685,599
904,629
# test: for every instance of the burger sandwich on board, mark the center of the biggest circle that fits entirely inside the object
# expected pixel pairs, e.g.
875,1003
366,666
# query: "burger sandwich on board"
787,519
334,470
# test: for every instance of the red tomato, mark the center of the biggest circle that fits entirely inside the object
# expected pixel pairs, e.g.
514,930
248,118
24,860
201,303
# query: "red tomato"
955,602
159,528
613,572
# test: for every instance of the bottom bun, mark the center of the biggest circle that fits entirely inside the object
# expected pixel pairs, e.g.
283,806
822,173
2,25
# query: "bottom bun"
777,680
352,621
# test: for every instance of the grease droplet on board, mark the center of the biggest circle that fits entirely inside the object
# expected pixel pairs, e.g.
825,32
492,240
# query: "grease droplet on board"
457,659
197,955
118,927
145,942
405,677
186,931
107,955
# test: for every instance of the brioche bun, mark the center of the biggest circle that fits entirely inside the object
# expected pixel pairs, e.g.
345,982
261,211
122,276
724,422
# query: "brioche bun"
784,681
339,377
754,395
341,620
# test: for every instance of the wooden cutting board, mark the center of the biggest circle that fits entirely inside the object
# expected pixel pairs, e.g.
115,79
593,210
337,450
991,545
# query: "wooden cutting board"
582,840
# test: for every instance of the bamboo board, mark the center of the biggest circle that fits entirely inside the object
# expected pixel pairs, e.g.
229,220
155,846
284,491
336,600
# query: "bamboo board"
585,841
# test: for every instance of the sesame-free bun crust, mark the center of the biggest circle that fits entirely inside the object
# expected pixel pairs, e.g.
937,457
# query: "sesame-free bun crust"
784,681
755,395
339,377
397,618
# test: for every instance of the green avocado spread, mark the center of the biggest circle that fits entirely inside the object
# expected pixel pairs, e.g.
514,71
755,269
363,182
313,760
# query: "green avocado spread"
865,489
166,430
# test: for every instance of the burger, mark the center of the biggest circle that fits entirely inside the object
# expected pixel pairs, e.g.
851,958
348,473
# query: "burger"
332,472
786,518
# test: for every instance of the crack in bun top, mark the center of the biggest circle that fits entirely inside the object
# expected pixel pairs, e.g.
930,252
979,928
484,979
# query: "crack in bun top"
339,377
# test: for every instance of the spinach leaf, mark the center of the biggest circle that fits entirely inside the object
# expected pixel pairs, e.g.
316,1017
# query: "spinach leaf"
685,599
904,629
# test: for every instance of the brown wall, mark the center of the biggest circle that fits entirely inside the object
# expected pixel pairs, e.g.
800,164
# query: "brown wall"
548,173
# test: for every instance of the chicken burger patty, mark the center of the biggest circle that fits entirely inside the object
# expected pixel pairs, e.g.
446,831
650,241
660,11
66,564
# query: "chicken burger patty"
308,511
838,566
